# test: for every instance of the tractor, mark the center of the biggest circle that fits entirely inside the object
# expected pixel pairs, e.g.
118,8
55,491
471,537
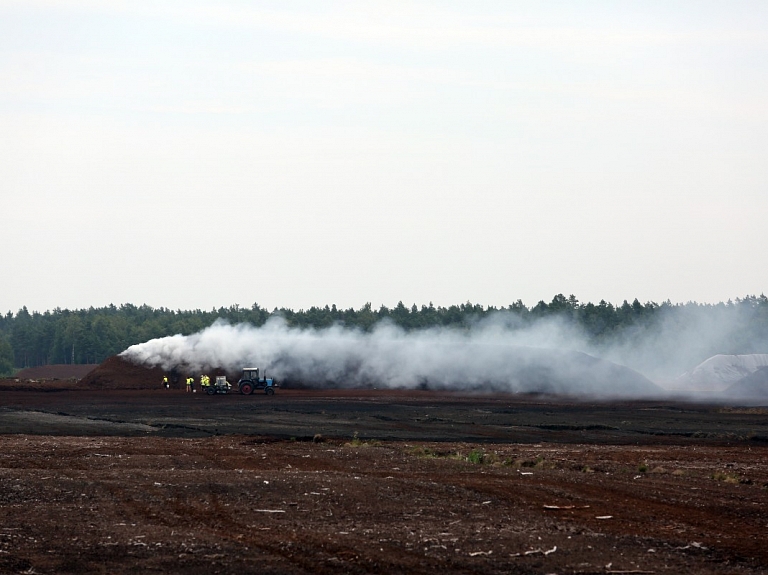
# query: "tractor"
250,381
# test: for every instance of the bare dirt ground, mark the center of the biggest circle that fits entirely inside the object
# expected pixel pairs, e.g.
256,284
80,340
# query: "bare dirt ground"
57,371
400,482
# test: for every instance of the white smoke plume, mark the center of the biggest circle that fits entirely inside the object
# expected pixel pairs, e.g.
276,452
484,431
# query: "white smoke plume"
494,354
677,339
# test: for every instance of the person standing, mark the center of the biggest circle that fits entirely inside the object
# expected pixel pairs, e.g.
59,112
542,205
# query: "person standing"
189,383
165,381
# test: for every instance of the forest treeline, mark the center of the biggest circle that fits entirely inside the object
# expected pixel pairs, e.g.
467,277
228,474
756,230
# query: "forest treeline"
29,339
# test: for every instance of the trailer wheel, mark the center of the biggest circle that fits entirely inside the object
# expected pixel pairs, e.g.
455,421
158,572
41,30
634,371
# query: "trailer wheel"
210,390
269,391
246,389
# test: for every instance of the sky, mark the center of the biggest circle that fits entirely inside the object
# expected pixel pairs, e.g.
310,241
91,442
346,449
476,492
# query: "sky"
202,154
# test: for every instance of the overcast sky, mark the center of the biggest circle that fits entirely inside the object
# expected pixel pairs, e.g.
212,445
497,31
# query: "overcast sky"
201,154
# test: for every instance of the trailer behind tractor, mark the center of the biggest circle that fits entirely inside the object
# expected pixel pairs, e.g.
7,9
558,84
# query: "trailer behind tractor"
221,385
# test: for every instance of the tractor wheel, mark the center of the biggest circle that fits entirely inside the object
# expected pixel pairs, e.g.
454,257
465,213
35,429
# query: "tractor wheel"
210,390
246,389
269,391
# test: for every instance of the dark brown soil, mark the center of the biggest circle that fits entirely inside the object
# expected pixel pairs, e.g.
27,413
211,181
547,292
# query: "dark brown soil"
117,373
366,481
56,371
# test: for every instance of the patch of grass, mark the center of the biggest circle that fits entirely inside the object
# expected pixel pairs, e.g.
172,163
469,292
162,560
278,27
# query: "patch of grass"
357,442
642,468
538,463
476,456
420,451
678,472
492,458
658,470
479,456
542,463
429,453
725,477
587,469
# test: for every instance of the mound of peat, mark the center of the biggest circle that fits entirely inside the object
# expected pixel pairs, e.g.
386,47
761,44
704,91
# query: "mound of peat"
118,373
56,371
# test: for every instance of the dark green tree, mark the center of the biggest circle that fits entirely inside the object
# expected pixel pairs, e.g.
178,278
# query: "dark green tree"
6,357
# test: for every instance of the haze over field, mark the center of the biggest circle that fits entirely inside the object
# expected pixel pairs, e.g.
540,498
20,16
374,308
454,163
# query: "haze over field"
486,358
502,351
196,154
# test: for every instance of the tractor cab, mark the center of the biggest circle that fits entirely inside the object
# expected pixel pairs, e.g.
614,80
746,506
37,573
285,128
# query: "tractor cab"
250,373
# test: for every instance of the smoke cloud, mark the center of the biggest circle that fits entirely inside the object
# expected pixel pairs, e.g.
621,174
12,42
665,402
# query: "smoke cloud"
503,351
677,339
496,354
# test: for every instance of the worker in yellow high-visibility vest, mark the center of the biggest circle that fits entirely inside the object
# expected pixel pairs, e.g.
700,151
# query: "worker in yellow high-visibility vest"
165,381
190,380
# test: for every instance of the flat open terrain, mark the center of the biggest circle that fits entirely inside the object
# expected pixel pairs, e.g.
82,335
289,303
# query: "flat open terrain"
400,482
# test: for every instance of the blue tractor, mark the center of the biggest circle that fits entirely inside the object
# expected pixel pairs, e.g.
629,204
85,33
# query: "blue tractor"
251,381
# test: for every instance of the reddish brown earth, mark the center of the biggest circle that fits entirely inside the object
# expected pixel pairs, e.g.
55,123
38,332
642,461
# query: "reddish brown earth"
56,377
118,373
236,504
367,481
56,371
